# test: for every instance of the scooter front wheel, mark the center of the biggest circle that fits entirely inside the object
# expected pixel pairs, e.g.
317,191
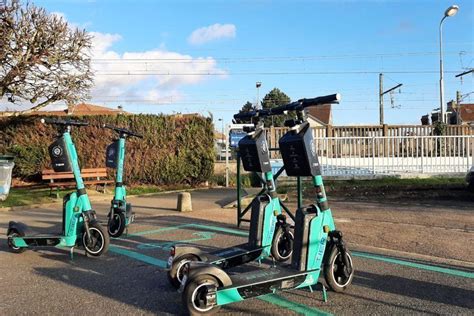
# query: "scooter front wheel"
178,269
338,277
282,246
116,225
195,295
15,233
99,241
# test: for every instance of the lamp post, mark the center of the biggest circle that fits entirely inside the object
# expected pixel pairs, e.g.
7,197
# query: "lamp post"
258,84
451,11
222,130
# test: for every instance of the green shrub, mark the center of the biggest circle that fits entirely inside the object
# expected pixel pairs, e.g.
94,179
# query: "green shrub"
174,150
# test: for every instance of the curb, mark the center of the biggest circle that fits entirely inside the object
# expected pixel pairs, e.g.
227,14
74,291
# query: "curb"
92,199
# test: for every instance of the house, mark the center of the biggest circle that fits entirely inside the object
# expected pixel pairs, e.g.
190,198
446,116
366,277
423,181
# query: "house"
463,114
83,109
219,145
80,109
319,116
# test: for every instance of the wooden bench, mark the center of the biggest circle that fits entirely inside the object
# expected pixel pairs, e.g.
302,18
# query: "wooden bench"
90,176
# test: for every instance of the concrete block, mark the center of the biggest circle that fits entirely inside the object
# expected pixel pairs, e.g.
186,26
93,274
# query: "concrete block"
184,202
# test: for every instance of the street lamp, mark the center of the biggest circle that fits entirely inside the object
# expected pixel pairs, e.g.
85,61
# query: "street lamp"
451,11
222,138
258,84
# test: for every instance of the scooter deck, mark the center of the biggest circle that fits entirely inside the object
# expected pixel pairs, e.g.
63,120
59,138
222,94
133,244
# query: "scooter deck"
234,256
266,281
42,240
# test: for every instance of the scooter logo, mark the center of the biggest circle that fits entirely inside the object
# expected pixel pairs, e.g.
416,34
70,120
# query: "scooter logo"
264,147
57,151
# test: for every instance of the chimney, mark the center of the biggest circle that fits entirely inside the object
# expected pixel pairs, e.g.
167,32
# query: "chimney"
70,109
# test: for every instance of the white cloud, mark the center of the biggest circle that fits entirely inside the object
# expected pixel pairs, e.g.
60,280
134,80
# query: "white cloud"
212,33
147,76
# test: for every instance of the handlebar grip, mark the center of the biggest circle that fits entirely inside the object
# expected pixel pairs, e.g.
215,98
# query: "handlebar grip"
136,135
245,115
332,98
122,130
287,107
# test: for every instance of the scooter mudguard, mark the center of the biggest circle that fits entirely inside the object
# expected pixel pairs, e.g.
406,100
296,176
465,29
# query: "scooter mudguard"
19,226
180,250
201,268
22,230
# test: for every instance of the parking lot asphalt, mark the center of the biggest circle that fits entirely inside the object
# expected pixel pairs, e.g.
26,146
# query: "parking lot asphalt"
393,274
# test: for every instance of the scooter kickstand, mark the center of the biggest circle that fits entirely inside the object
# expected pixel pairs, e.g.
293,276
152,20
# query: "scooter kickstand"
71,253
325,294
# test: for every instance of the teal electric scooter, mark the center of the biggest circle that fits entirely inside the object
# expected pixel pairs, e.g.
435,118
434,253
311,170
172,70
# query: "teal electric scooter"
269,233
317,246
79,225
121,214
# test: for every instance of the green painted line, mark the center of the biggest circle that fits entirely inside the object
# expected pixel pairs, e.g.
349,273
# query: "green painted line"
138,256
421,266
221,229
160,230
295,307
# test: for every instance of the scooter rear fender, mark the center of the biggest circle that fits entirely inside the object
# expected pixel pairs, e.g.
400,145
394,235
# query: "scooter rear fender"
200,268
180,250
22,228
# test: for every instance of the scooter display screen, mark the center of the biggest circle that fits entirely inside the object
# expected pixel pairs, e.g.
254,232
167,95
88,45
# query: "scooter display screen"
59,156
111,156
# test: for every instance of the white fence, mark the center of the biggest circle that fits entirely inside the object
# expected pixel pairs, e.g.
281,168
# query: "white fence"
395,155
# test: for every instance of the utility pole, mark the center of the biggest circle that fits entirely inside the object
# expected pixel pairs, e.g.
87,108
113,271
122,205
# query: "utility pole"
382,93
459,95
381,98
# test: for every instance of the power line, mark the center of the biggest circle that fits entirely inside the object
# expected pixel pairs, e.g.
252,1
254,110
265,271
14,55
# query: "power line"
269,73
270,58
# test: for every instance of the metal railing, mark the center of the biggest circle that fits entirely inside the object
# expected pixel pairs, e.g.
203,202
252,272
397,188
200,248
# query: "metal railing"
352,156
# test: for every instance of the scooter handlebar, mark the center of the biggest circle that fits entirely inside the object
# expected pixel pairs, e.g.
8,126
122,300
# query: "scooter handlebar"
304,103
63,122
251,114
122,130
332,98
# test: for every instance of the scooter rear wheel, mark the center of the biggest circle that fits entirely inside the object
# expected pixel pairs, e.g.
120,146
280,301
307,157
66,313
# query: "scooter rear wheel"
282,246
99,243
177,270
116,225
194,295
13,248
334,274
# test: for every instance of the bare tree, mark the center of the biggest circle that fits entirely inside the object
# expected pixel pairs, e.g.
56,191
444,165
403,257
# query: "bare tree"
42,59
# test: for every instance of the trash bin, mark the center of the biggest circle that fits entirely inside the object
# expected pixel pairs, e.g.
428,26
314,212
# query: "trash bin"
6,168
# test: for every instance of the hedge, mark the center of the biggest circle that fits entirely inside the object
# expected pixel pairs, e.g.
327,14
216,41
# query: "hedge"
174,149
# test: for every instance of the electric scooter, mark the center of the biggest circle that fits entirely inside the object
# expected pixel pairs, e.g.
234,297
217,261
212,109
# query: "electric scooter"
79,224
269,233
121,214
317,244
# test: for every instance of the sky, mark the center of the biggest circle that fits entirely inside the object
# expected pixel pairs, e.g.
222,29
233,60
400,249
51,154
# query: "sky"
206,56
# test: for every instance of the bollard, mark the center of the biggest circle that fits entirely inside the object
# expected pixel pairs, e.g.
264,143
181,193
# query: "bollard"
184,202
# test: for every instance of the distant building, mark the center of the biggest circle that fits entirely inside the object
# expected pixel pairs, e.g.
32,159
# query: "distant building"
83,109
319,115
80,109
463,114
